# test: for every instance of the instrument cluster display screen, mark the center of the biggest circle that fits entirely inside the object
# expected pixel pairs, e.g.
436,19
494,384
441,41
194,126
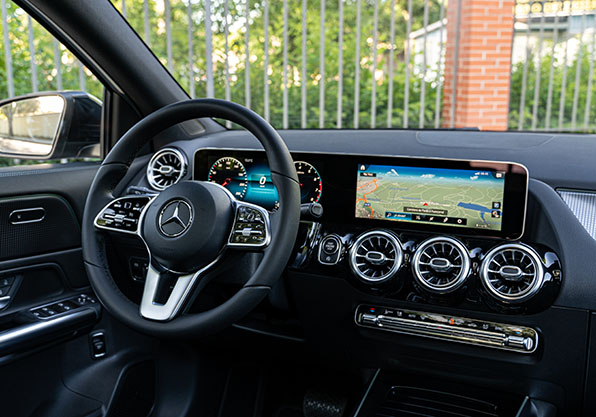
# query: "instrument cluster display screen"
465,198
246,175
437,195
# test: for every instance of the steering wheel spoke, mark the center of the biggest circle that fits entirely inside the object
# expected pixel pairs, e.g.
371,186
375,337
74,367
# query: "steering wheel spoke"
124,214
166,292
251,229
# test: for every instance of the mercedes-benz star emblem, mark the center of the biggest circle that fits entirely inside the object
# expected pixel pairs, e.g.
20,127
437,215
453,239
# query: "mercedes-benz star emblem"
175,218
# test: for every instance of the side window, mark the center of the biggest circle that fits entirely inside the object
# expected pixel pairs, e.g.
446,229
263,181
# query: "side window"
50,108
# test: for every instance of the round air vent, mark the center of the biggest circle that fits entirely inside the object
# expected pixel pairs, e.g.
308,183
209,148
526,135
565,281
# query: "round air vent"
166,168
376,256
441,264
512,273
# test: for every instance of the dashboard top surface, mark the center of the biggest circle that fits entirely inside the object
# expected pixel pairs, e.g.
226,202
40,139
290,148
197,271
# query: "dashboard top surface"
562,161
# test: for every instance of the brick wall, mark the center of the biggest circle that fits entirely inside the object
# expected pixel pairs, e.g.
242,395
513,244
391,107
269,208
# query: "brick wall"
484,64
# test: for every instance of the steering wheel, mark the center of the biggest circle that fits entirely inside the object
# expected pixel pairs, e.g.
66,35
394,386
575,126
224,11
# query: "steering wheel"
189,229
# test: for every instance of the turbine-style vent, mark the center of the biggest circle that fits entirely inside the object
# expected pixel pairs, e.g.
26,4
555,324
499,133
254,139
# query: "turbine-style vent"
512,273
441,264
166,168
376,256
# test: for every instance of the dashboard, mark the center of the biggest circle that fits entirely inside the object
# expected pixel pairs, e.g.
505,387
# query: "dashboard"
454,258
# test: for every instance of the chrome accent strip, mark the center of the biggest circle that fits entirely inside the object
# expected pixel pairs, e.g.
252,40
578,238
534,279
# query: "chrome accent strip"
482,338
464,269
43,215
25,333
527,293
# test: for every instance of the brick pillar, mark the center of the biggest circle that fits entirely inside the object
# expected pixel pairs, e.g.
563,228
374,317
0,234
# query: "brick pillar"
484,64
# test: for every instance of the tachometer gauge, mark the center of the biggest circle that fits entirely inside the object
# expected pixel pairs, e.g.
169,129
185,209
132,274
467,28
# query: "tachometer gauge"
311,185
231,174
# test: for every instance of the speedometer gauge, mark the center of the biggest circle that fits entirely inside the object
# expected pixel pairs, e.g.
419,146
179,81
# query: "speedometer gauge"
311,185
231,174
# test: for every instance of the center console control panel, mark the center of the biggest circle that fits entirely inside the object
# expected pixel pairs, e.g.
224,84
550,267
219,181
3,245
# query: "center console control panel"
456,329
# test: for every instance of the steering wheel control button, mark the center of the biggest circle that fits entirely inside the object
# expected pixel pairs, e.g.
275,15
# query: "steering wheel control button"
175,218
330,250
250,227
138,268
455,329
123,214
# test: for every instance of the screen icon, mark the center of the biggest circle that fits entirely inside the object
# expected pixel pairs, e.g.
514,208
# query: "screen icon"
496,214
496,205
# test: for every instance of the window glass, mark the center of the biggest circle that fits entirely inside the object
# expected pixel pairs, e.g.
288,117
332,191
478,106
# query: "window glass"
33,61
508,65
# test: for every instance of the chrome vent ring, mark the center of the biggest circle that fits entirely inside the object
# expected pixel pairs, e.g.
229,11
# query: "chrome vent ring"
166,168
441,264
376,256
512,272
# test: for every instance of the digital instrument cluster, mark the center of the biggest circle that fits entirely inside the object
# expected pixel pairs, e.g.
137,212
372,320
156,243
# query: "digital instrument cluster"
248,178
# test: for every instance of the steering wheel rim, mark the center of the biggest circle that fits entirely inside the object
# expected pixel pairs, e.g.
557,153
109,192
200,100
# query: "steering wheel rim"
283,236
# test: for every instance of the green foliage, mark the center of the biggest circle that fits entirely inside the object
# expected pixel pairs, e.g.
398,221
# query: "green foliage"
557,121
45,59
237,56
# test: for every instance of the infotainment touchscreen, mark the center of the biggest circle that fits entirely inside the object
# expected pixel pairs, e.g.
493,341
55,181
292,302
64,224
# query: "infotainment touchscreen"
466,198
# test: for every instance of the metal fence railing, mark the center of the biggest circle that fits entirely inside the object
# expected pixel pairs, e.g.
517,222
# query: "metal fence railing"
296,62
331,63
32,60
553,66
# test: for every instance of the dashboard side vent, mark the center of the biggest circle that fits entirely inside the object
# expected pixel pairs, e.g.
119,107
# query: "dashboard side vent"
441,264
414,401
512,272
376,256
166,168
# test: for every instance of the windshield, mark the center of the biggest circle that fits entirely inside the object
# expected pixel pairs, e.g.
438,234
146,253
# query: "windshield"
382,63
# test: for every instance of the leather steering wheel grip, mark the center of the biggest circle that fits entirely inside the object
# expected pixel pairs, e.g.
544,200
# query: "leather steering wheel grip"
115,167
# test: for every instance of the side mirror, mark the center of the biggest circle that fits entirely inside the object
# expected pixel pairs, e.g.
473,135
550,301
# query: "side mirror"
50,125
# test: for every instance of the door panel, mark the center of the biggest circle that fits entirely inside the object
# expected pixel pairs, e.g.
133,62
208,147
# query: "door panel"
30,225
48,361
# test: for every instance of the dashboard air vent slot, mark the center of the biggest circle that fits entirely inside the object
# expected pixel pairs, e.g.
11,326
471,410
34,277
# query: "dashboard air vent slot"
166,168
414,401
441,264
512,272
376,256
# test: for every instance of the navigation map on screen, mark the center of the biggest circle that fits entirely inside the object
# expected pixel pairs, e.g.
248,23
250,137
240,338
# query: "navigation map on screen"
452,197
